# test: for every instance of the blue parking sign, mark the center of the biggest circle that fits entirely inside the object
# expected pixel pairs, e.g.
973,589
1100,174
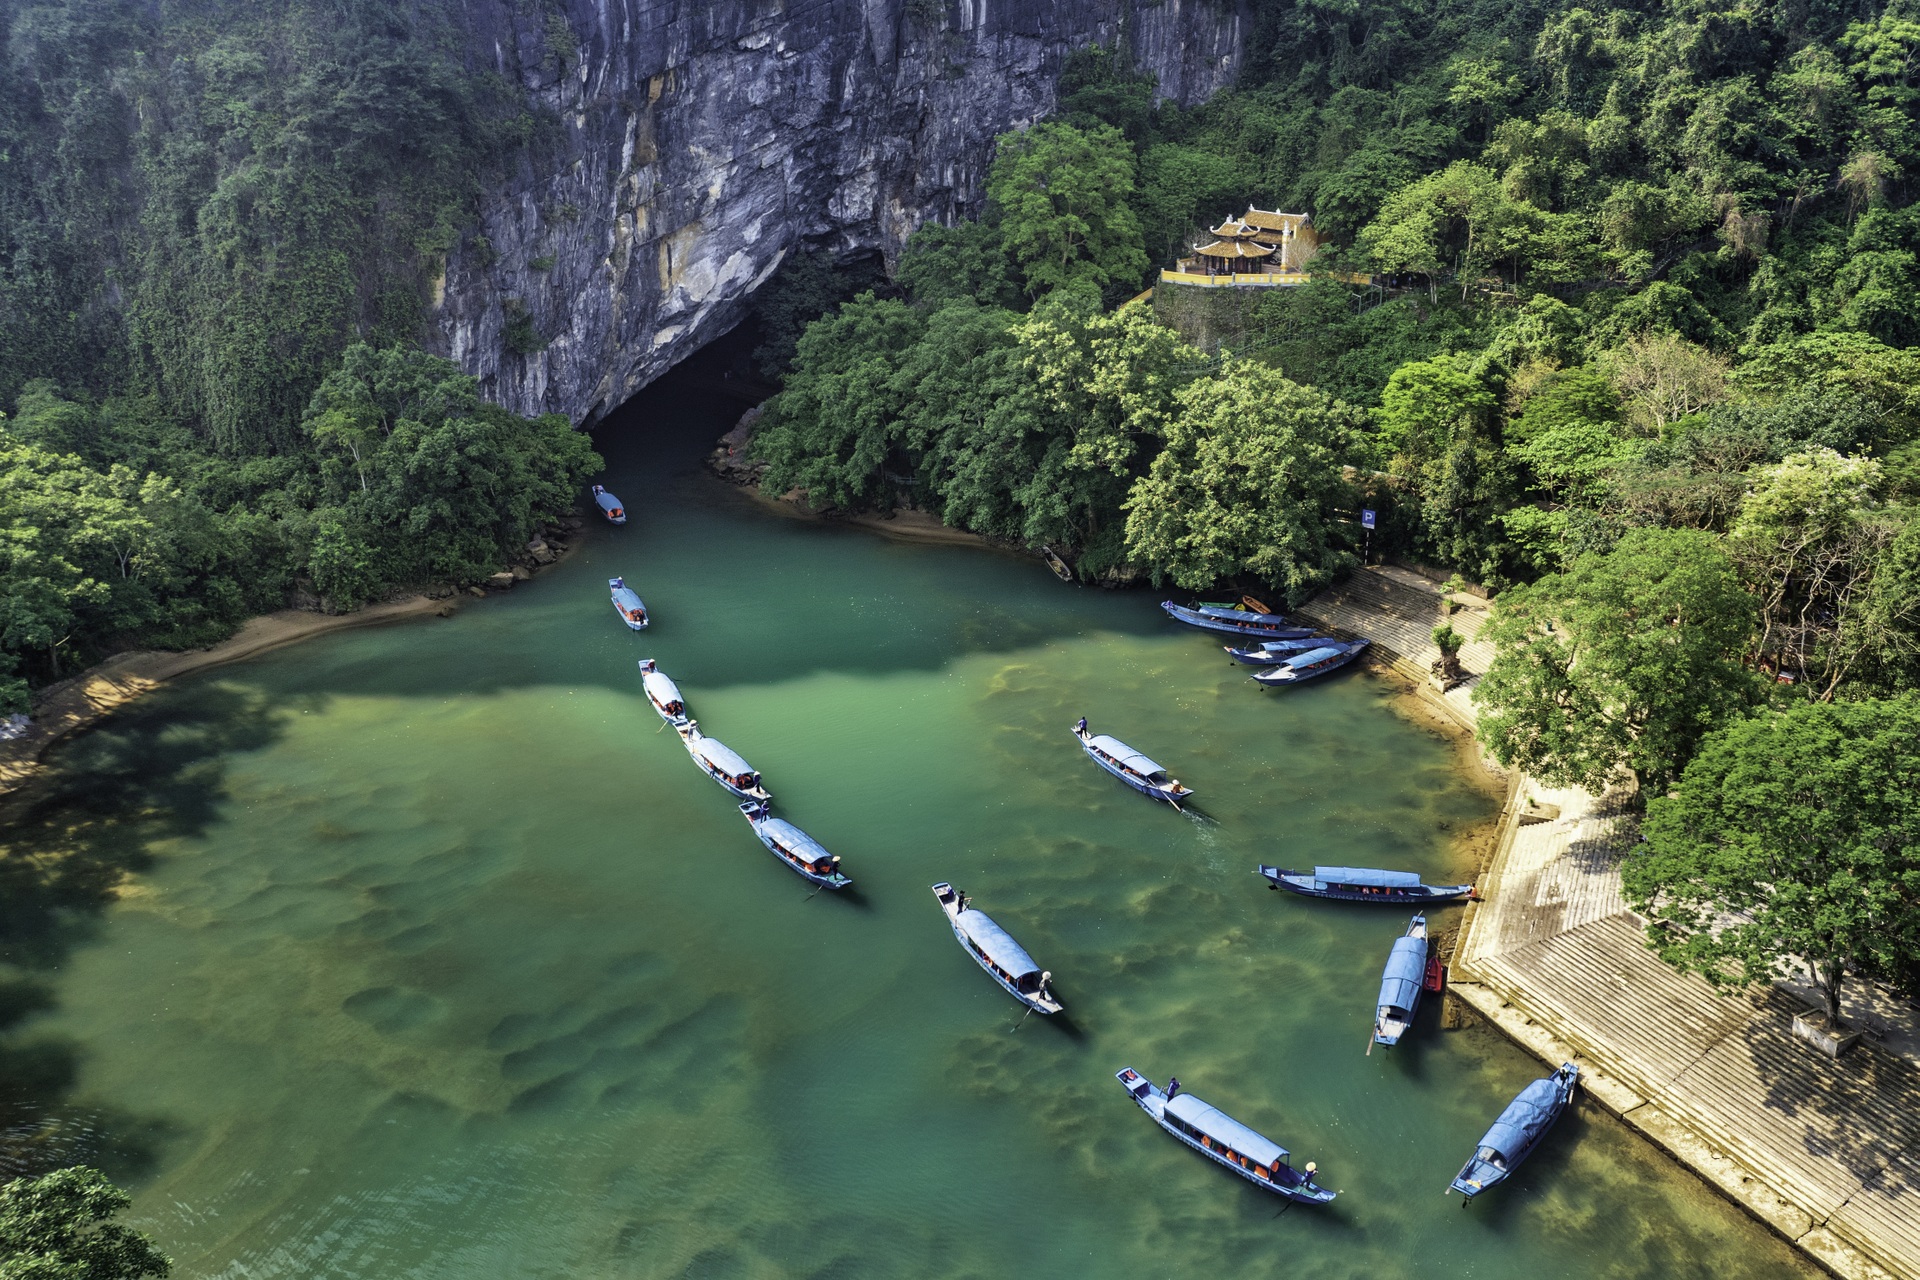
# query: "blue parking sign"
1366,517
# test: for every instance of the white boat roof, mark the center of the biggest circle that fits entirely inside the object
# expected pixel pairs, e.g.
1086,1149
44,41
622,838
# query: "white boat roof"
720,756
1367,876
661,687
1311,656
996,942
606,500
1406,969
625,596
1125,754
796,840
1221,1127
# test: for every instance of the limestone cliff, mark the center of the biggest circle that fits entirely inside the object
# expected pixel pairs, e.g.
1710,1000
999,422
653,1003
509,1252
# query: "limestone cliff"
693,144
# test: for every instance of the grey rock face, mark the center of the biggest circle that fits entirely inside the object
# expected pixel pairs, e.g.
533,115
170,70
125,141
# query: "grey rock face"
699,142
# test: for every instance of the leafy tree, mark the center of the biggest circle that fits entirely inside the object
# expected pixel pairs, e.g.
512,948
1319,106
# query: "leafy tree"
1623,663
1246,483
832,429
1790,844
57,1227
1062,194
964,262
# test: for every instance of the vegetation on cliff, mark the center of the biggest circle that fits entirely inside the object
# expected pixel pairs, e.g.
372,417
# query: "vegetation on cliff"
220,230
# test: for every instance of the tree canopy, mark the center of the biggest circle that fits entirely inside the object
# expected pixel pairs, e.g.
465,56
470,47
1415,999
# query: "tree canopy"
58,1227
1791,845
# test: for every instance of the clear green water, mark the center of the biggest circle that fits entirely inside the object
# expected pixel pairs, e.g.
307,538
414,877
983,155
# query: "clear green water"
441,961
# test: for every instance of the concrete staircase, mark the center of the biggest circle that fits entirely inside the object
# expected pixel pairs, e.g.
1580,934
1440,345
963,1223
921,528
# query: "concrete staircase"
1398,610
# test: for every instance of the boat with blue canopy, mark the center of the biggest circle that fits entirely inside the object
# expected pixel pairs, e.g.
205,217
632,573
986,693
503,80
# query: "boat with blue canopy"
627,604
609,506
721,764
1128,765
1401,983
1234,620
800,851
1272,651
1298,668
1224,1140
994,950
662,693
1517,1132
1365,884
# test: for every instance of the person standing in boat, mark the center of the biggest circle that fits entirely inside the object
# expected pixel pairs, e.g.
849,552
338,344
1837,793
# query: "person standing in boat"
648,664
1081,728
1173,1087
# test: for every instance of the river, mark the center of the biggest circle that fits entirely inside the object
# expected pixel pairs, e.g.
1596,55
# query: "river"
438,959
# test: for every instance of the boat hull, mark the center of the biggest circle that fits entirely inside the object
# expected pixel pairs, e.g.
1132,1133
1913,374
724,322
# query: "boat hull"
690,736
755,812
1283,677
1154,1102
1427,895
1165,795
1478,1175
626,616
1256,625
951,902
1258,657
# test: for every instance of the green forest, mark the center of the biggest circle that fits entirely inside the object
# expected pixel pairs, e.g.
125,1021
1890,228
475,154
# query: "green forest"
1644,369
220,225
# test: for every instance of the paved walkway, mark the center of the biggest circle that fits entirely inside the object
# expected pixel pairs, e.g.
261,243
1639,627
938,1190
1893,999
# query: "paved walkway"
1826,1152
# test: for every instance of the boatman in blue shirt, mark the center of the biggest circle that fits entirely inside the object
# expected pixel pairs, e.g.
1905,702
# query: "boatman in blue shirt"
1082,726
1173,1087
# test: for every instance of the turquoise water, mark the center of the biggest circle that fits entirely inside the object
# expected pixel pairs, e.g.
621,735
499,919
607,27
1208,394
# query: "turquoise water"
439,960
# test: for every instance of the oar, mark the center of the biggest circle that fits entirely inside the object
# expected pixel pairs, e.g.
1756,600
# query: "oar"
1023,1020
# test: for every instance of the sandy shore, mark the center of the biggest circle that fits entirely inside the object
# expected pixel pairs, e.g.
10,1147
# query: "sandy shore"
98,692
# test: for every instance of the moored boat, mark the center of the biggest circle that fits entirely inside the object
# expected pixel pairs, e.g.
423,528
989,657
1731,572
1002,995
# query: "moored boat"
1365,884
609,505
1234,620
994,950
662,692
1401,983
1517,1132
628,605
1132,768
1272,651
1224,1140
1055,563
800,851
1298,668
721,764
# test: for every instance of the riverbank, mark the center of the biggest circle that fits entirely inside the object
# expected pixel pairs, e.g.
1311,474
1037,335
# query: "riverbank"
82,701
1825,1152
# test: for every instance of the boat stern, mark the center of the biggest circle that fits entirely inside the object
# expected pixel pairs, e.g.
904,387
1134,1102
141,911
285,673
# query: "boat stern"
1142,1091
1476,1176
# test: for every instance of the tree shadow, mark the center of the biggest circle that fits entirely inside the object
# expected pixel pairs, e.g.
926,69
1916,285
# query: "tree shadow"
68,841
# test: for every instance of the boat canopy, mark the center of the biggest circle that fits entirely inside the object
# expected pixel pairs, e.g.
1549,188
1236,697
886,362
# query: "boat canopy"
662,689
997,944
720,757
1124,754
1367,876
1406,968
1311,656
795,841
1524,1118
1233,612
1223,1128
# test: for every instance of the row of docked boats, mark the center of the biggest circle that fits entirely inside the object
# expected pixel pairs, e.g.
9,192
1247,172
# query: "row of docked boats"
1285,655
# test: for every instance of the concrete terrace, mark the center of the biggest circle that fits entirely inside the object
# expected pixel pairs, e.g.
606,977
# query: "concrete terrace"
1826,1152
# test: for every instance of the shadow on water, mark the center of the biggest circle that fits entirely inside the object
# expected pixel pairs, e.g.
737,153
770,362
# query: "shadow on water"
67,843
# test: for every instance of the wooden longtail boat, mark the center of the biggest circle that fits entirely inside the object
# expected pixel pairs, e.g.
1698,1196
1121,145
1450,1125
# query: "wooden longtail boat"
1301,667
1272,651
1231,620
662,693
609,506
628,605
1517,1132
721,764
1132,768
1401,983
1365,884
799,851
994,950
1224,1140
